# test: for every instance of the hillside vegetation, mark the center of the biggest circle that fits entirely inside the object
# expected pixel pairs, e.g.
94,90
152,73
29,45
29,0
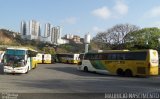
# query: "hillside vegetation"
11,38
7,37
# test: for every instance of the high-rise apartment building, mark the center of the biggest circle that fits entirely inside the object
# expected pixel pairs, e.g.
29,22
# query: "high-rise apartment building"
30,31
34,29
39,33
55,35
23,28
47,30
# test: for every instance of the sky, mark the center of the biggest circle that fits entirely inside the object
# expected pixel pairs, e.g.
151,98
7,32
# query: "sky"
80,17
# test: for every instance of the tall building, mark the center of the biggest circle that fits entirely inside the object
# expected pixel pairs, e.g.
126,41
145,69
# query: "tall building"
23,28
47,33
55,35
52,35
47,30
34,29
39,33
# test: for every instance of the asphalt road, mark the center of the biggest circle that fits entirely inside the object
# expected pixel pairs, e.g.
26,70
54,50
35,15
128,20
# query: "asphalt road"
65,78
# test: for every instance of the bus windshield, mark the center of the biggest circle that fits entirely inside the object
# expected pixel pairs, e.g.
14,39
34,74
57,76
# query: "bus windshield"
14,58
15,52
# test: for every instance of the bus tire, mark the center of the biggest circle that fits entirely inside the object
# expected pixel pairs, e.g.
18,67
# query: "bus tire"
85,69
120,72
128,73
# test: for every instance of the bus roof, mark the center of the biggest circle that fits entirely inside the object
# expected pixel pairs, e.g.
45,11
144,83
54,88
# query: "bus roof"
67,53
102,51
117,51
17,48
22,48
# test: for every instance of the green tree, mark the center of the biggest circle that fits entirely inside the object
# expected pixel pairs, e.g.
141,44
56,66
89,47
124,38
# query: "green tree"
144,38
49,50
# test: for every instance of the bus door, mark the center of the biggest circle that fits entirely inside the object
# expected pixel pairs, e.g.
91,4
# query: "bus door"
43,59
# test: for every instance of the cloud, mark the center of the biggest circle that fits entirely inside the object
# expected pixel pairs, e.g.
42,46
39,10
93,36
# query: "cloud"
121,8
118,10
103,12
154,12
70,20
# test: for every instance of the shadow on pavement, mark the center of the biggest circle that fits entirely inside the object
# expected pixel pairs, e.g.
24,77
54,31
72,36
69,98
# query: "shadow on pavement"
73,70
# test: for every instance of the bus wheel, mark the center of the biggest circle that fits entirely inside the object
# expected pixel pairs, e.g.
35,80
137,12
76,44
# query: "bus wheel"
85,69
128,73
120,72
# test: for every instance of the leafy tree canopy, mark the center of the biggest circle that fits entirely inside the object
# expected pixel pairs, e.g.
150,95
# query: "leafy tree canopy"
146,38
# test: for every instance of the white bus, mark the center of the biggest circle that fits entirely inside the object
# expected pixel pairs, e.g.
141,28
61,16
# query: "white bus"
44,58
71,58
19,60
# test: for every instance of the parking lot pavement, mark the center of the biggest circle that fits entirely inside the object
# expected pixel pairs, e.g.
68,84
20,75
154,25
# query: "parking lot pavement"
65,78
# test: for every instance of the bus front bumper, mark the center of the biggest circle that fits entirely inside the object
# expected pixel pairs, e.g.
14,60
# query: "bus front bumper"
8,69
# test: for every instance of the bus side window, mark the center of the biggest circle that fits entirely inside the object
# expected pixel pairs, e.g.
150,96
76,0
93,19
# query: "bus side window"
95,56
100,56
109,57
105,56
92,56
86,56
81,56
112,56
121,56
128,56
